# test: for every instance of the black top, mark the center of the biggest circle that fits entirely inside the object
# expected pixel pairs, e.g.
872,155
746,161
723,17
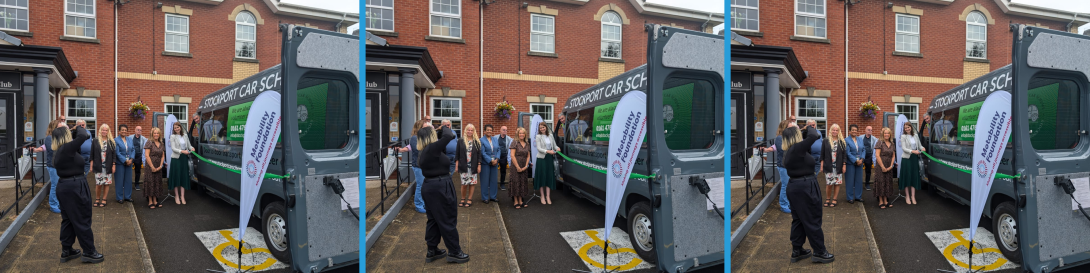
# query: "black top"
433,160
413,151
473,161
49,151
797,159
96,156
779,151
502,140
67,159
827,156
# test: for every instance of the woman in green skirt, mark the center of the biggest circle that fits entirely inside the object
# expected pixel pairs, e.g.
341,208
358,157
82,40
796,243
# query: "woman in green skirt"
909,178
545,174
178,177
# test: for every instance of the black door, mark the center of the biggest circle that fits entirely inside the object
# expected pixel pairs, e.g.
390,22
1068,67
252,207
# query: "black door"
374,133
7,133
739,132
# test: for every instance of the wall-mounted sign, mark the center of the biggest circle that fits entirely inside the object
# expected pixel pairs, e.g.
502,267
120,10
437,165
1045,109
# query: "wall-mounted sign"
12,81
376,80
741,80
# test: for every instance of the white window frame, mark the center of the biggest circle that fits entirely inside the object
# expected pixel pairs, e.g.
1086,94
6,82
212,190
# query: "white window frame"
542,33
393,12
619,41
915,118
254,41
800,118
167,32
757,8
906,33
92,16
461,111
94,110
27,8
823,15
433,12
967,40
182,119
552,112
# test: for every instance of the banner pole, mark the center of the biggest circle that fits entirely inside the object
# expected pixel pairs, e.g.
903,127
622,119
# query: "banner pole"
240,255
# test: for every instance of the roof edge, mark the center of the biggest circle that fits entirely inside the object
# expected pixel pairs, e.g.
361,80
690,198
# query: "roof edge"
676,12
302,11
1027,10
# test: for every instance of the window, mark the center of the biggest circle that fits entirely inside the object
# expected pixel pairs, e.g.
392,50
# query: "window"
908,33
325,113
810,18
911,111
446,18
689,113
611,35
81,108
214,127
546,112
542,33
1053,114
14,14
745,15
447,108
976,35
180,112
245,35
79,18
380,15
177,33
811,108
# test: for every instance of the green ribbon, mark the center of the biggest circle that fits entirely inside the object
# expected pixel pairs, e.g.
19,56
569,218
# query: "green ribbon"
632,175
267,175
997,175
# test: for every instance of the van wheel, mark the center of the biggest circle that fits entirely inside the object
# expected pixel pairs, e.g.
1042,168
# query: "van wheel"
640,227
275,224
1005,224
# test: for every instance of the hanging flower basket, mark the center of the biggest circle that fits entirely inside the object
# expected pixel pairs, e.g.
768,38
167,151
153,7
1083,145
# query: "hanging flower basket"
138,110
504,110
869,110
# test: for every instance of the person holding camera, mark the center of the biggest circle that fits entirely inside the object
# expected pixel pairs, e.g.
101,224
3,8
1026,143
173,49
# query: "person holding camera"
74,195
439,195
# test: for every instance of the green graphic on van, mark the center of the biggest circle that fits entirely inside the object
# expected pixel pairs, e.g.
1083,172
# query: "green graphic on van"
677,111
236,122
312,116
1042,116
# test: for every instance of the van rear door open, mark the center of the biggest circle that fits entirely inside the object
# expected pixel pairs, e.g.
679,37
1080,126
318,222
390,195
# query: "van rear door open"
1052,233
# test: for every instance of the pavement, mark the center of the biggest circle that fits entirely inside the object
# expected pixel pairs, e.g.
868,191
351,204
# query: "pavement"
37,247
848,236
481,234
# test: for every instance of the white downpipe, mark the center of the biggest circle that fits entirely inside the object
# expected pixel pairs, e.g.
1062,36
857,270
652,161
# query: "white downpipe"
846,104
116,111
480,66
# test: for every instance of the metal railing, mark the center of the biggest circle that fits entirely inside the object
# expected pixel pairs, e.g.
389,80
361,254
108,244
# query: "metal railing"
751,192
38,175
384,191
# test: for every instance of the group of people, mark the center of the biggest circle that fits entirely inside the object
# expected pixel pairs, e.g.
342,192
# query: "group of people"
802,154
438,154
73,155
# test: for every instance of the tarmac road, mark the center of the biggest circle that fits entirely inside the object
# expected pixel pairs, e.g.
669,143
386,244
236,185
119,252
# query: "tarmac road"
169,231
535,231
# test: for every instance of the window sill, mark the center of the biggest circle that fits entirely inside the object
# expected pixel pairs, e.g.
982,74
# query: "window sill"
907,54
610,60
977,60
810,39
80,39
245,60
177,54
748,33
542,54
382,33
18,33
444,39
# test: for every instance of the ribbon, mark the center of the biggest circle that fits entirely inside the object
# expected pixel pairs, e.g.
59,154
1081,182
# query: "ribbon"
633,175
267,175
997,175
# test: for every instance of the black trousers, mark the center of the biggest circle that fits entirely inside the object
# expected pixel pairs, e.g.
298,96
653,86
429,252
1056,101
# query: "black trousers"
804,193
868,163
75,198
503,170
137,164
439,202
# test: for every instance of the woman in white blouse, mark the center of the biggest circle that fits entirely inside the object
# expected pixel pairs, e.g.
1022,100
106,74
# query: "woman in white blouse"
178,178
909,178
544,175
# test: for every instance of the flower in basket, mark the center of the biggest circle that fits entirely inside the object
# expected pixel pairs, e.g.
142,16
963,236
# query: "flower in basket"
138,110
869,110
504,110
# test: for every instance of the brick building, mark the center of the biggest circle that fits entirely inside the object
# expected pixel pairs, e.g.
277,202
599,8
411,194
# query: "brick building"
96,57
466,56
828,57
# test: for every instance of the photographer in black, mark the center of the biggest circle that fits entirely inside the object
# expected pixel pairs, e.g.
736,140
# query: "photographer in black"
439,195
74,195
804,194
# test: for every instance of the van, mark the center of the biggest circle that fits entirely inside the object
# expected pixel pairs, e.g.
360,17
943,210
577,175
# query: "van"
1033,218
301,217
669,220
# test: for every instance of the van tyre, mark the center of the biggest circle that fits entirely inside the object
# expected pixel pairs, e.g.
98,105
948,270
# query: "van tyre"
641,231
1005,224
274,222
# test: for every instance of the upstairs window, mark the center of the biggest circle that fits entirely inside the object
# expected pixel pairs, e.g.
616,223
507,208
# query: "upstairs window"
245,35
810,18
611,35
745,15
908,33
446,18
79,18
177,33
380,15
542,33
976,36
15,15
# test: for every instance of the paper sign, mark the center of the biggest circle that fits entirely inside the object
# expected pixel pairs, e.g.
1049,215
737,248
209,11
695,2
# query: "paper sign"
351,192
1082,193
716,194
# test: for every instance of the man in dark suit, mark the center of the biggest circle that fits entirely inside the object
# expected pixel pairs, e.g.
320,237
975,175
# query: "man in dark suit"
868,160
505,147
138,141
